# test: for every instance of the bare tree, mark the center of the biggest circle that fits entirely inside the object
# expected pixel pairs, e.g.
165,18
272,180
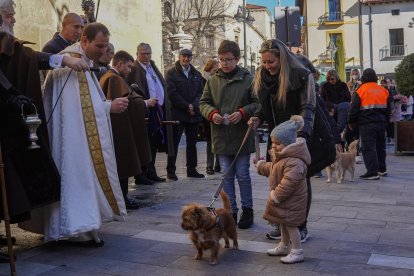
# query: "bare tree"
204,20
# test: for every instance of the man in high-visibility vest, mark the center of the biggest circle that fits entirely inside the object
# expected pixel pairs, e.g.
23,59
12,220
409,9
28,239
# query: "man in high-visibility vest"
370,110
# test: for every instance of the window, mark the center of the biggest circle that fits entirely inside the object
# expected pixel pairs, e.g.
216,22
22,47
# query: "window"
396,42
334,12
395,12
210,42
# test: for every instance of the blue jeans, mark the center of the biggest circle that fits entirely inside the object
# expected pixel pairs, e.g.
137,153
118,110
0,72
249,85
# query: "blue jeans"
241,171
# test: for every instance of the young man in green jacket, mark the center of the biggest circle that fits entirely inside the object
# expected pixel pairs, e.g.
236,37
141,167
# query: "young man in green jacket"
228,102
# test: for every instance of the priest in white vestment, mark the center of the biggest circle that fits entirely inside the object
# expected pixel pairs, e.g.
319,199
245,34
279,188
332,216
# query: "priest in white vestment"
82,146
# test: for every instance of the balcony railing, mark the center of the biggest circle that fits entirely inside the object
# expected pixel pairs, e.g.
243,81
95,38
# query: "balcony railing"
331,17
392,51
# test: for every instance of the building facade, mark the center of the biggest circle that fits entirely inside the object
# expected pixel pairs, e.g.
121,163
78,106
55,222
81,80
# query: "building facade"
387,34
129,22
223,26
326,22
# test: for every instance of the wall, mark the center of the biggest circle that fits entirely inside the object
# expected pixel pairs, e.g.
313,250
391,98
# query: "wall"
318,34
130,22
382,21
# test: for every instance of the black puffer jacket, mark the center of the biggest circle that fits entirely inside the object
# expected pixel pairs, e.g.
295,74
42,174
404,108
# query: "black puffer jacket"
184,91
335,93
298,101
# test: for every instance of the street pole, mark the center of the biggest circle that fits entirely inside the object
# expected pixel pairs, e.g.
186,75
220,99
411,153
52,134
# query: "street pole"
288,42
371,54
245,34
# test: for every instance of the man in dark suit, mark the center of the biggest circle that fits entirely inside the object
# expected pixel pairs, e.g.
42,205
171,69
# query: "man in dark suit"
131,147
71,30
146,75
185,87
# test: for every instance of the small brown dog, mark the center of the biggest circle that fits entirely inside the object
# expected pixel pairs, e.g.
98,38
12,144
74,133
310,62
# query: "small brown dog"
345,161
206,228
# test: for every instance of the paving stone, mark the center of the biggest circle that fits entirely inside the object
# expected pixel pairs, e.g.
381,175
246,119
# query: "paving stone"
26,268
358,269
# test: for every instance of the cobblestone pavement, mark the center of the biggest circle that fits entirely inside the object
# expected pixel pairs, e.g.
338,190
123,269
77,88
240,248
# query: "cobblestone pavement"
357,228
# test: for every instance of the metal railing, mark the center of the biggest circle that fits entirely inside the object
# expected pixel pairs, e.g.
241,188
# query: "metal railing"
392,51
331,17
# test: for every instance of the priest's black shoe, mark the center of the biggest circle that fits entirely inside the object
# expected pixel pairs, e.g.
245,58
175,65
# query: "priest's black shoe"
131,204
194,173
156,178
172,176
142,179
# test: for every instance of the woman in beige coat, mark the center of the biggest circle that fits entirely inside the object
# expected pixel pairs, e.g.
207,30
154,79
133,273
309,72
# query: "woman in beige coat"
288,191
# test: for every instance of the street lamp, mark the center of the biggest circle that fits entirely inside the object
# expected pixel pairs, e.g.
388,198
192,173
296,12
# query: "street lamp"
243,15
332,49
411,23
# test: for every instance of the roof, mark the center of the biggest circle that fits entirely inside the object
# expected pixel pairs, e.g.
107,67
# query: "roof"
382,1
255,7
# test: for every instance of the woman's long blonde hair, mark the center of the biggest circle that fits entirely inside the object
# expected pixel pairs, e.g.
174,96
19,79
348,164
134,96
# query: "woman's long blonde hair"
287,61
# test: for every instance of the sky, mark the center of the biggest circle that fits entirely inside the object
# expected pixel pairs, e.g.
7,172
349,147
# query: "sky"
270,4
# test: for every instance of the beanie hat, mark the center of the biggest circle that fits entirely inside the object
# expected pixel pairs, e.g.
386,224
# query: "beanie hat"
286,132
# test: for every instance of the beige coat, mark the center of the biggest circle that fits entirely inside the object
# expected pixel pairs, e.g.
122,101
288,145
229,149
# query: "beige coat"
287,176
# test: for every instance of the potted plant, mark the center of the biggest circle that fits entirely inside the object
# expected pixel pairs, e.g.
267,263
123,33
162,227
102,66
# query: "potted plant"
404,130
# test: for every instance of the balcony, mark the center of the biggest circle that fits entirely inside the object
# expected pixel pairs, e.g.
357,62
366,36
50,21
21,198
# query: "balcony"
392,52
331,18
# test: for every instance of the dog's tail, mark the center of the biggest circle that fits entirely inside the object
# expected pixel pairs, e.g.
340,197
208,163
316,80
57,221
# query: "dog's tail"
226,200
353,147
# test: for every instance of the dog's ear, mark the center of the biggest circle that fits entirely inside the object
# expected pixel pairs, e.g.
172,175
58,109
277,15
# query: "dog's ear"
197,212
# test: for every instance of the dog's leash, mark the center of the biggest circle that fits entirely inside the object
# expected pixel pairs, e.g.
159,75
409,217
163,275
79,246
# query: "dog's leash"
226,174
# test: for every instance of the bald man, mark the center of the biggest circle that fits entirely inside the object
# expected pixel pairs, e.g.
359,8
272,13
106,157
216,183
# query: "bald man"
71,29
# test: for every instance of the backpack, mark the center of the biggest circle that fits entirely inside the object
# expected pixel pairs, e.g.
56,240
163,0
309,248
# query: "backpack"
321,143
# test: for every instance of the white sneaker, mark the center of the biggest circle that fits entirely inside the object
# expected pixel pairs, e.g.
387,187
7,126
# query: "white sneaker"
295,256
358,159
280,250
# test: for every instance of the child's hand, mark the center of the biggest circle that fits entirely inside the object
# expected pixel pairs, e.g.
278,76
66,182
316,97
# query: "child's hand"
257,164
272,196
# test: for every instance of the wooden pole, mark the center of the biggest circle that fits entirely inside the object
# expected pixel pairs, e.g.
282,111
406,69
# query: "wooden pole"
6,215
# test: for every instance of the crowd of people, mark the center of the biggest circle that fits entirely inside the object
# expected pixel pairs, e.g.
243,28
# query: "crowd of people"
106,116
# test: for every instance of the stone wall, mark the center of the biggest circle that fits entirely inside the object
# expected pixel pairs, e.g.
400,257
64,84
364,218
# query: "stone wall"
129,21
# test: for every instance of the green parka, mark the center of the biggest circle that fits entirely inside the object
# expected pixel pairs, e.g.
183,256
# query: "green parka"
222,95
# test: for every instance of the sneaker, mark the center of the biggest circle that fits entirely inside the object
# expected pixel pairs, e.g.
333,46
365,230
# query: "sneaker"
358,159
280,250
383,173
367,176
246,218
274,234
318,175
295,256
304,235
210,172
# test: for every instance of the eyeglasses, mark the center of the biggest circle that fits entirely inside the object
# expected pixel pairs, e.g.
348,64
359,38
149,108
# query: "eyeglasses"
227,60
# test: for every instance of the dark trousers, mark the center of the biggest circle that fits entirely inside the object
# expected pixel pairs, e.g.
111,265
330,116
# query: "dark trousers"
124,187
154,141
373,147
191,132
210,157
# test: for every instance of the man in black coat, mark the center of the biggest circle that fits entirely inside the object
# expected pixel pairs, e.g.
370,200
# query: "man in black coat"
152,86
185,87
71,30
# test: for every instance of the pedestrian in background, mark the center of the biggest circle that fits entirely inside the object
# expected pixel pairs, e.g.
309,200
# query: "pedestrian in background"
370,110
151,83
228,102
185,86
213,162
284,87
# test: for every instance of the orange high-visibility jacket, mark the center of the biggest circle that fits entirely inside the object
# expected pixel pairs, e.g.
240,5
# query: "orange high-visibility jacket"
370,104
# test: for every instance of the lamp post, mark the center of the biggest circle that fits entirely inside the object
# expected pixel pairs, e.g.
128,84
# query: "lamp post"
411,23
332,49
243,15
